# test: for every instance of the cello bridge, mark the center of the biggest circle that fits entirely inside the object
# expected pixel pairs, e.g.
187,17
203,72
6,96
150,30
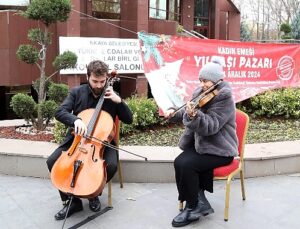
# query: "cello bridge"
82,150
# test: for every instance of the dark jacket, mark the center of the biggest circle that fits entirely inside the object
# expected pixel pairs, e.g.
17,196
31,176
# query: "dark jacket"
213,130
81,98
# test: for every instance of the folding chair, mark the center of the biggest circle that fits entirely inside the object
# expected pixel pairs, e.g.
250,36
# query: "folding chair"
109,186
228,172
237,165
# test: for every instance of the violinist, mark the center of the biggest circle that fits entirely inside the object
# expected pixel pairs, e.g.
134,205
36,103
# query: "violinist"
209,140
81,98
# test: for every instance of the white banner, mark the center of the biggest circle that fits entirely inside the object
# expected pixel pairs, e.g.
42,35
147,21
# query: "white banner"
123,55
14,2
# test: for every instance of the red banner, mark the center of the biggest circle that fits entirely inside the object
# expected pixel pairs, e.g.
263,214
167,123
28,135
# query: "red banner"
172,65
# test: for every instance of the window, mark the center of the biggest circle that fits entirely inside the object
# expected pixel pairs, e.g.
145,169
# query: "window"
201,13
201,18
108,9
174,10
165,9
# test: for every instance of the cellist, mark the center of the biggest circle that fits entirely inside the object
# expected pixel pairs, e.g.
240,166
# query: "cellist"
81,98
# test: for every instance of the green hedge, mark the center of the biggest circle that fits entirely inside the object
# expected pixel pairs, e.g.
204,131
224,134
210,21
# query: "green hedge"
60,131
145,113
25,107
276,103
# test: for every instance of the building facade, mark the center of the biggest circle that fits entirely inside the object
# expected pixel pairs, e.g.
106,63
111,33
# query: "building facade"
214,19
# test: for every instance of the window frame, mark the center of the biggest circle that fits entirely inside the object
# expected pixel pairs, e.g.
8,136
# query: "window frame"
106,14
176,15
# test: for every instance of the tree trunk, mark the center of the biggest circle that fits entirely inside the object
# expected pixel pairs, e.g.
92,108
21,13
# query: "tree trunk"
42,94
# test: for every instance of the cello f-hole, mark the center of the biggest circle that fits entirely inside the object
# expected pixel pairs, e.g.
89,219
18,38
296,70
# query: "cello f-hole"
71,153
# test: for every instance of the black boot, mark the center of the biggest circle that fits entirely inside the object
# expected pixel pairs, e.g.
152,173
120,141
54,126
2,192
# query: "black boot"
203,206
185,217
75,206
95,204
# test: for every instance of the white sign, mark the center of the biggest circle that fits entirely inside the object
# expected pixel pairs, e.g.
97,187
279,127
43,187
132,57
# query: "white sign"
14,2
123,55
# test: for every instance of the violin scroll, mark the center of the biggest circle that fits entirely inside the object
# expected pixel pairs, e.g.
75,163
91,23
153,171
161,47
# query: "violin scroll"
114,73
113,77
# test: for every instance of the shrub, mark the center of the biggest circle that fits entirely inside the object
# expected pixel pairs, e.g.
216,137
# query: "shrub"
48,109
24,106
28,54
65,60
59,132
275,103
58,92
145,113
286,28
36,85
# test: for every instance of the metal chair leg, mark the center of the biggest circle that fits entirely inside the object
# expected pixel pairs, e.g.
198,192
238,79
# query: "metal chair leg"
109,201
109,185
242,184
120,174
180,205
226,210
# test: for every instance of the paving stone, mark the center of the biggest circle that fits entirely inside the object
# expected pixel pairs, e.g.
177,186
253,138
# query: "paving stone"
271,202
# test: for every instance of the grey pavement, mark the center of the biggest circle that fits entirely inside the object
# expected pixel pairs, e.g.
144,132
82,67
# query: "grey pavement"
271,202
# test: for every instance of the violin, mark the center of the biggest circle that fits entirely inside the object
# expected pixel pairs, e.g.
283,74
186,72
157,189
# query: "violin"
81,170
203,98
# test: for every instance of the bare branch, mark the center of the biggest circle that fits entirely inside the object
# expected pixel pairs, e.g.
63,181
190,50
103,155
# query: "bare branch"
51,76
39,66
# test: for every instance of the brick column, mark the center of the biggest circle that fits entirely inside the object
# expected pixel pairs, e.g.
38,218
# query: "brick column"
187,19
136,20
142,86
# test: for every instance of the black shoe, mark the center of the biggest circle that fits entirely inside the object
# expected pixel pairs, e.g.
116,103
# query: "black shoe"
76,206
95,204
184,218
203,206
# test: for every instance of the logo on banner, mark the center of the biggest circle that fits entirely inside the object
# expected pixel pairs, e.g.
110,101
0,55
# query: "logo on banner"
285,68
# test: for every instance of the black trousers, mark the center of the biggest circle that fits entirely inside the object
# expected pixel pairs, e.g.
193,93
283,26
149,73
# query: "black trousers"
194,171
110,155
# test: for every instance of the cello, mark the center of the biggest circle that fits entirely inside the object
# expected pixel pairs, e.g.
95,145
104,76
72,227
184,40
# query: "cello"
81,170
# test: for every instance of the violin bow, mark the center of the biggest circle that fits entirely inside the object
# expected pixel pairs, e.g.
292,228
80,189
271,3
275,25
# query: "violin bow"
114,147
